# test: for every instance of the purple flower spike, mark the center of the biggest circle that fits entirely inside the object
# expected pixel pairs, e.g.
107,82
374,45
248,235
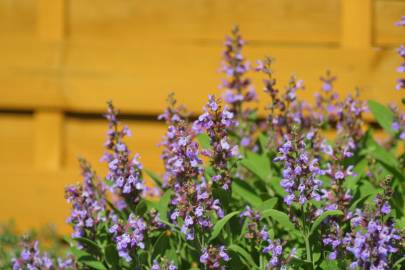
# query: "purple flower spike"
129,236
125,173
299,174
216,124
88,203
214,257
32,259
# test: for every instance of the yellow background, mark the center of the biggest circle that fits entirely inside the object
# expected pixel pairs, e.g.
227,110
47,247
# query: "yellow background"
61,60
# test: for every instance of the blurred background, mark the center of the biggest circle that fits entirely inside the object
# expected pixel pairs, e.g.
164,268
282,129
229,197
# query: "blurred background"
61,60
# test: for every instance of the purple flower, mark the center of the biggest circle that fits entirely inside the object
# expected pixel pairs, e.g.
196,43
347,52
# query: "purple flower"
214,257
386,208
339,175
369,242
163,265
32,259
124,173
88,203
401,51
275,250
216,124
193,203
129,236
299,174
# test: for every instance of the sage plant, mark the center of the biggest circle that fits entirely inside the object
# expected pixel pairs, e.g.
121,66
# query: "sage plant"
310,188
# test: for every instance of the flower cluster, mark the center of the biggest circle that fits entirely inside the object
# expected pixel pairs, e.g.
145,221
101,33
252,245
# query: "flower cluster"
261,238
129,236
32,259
398,123
163,265
253,218
88,203
300,171
215,121
325,106
372,239
401,51
238,90
285,111
174,152
275,249
181,155
124,173
214,257
193,203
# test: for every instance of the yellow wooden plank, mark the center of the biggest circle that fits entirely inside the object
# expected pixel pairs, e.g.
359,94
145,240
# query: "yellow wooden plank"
85,138
51,20
16,141
309,21
387,13
138,78
17,18
141,83
356,23
48,139
34,199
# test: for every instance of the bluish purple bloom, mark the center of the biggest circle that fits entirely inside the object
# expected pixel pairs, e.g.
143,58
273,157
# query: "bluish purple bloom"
129,236
216,124
300,175
125,173
88,203
214,257
163,265
32,259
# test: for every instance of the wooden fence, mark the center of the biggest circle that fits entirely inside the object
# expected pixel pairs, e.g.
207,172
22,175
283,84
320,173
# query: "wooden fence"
61,60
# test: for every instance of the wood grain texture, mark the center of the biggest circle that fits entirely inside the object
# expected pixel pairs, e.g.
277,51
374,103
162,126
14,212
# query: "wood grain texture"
357,24
48,139
51,19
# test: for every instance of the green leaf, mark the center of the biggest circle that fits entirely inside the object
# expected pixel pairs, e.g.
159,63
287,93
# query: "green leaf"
322,217
111,256
246,194
204,140
220,224
268,204
160,246
78,253
280,217
399,262
379,153
329,265
152,204
359,170
383,115
258,165
263,142
89,245
243,253
163,205
155,178
359,201
95,265
141,208
298,261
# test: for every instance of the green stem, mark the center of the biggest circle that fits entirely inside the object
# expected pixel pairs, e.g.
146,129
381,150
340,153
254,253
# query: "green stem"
308,249
306,236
